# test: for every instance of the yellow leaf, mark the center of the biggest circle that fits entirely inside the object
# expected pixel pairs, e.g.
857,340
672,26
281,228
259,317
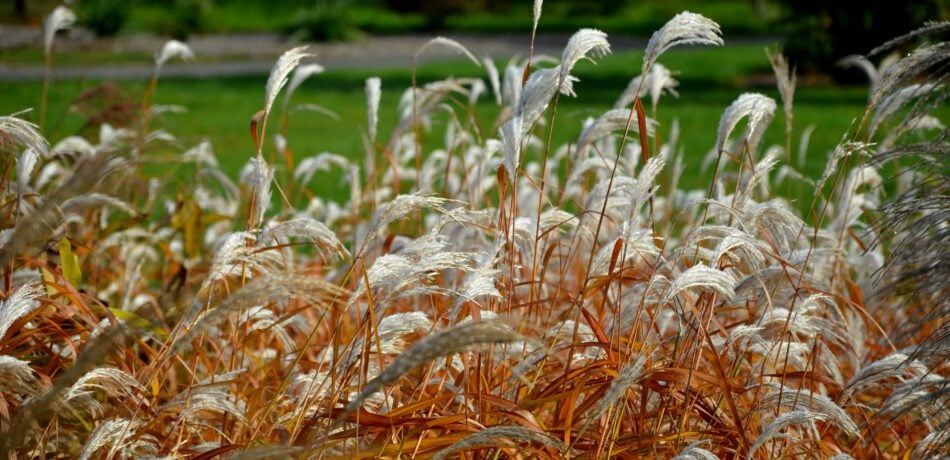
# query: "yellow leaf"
71,270
208,218
49,280
137,322
188,220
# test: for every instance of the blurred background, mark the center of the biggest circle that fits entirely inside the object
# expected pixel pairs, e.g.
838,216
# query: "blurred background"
814,33
101,66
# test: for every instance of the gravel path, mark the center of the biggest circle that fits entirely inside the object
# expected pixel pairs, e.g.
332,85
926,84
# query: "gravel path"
251,54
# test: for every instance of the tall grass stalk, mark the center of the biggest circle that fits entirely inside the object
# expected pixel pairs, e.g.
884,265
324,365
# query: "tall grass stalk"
61,18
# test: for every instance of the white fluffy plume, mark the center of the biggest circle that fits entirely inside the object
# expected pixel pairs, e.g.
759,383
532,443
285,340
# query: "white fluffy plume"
694,452
278,75
16,377
803,400
860,62
61,18
322,237
503,435
700,275
757,107
399,208
773,429
22,132
510,134
494,78
541,87
684,29
612,120
301,73
258,175
536,14
449,43
173,49
659,80
373,94
113,433
584,44
24,169
20,303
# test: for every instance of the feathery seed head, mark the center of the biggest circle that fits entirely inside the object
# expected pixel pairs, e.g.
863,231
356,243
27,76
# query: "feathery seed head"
458,339
20,303
758,108
491,436
173,49
584,44
684,29
24,169
258,175
772,430
301,73
61,18
303,227
17,131
17,377
695,452
373,94
114,433
510,134
814,405
866,66
701,275
629,375
449,43
279,74
493,78
659,80
896,365
606,124
399,208
320,162
536,13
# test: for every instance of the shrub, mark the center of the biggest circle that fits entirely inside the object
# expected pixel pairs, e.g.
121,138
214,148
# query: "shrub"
105,17
819,32
185,17
328,20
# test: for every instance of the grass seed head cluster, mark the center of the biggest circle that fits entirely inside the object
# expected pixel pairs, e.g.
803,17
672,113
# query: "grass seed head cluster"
494,295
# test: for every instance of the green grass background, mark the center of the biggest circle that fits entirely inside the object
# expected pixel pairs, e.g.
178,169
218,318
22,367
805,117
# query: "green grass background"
220,109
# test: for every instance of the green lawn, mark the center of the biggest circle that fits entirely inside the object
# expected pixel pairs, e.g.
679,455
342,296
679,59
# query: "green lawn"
220,109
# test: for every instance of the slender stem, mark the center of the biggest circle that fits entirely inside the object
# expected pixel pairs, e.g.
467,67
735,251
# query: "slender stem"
48,71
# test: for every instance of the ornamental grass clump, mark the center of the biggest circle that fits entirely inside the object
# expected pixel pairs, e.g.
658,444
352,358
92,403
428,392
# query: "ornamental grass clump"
466,298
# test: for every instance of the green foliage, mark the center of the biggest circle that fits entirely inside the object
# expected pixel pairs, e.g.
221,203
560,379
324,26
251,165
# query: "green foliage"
379,17
180,18
174,18
104,17
327,20
819,32
190,16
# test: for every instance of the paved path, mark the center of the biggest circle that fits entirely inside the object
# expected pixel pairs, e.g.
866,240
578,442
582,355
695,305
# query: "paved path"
253,54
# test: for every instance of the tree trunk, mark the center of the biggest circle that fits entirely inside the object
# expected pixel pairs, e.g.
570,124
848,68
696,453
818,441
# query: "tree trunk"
19,9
